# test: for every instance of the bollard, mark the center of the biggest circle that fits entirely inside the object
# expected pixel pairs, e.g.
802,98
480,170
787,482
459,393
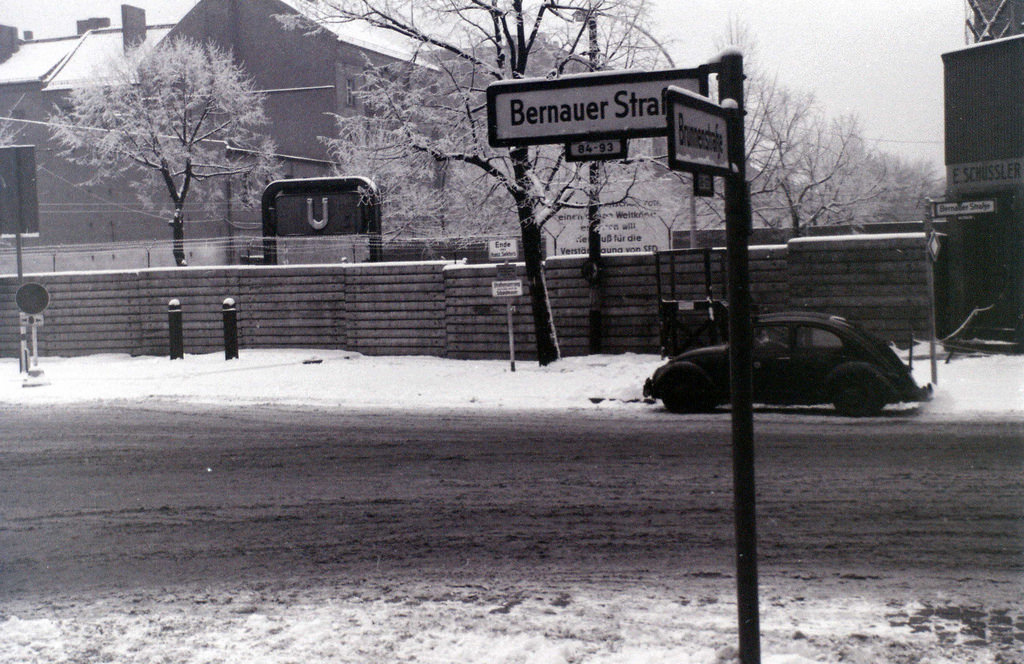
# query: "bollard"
174,328
230,313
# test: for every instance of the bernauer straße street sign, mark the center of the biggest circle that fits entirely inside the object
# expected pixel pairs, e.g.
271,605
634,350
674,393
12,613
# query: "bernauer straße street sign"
585,107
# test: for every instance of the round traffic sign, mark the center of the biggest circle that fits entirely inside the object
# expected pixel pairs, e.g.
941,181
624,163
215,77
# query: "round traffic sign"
32,298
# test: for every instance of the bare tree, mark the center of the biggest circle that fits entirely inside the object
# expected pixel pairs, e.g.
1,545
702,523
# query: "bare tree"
808,170
430,115
909,184
183,111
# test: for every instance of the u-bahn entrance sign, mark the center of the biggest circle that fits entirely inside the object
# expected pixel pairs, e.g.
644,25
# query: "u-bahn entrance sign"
585,107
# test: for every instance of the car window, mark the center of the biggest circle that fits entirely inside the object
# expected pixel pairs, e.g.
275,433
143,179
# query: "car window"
815,338
771,338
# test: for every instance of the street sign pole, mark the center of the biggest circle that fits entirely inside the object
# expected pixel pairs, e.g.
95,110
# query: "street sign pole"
708,138
32,300
508,287
509,310
932,251
737,229
23,365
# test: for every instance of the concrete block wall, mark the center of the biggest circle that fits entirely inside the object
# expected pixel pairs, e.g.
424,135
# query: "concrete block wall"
476,324
395,308
446,309
295,307
878,281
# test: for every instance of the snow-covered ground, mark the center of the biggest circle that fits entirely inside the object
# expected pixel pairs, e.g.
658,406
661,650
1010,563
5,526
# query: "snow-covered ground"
967,386
498,621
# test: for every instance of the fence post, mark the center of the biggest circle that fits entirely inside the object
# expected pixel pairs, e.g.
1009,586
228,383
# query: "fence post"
174,327
230,314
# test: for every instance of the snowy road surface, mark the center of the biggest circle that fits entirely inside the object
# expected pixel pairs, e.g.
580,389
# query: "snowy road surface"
155,530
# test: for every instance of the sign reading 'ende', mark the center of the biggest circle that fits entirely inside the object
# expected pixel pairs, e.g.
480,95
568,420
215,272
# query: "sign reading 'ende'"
584,107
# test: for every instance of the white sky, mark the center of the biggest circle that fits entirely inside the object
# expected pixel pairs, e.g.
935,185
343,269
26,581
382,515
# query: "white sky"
878,59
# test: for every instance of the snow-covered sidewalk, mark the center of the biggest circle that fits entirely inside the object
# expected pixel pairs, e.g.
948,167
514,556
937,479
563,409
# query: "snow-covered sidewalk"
968,386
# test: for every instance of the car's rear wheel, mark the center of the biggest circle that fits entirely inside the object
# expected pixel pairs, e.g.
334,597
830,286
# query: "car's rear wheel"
859,396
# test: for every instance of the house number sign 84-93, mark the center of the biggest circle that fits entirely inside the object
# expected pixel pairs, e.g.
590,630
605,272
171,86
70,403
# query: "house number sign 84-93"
609,148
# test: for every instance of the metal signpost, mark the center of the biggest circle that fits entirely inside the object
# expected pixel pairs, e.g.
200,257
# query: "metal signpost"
32,300
708,138
508,290
19,203
19,217
703,138
933,244
507,286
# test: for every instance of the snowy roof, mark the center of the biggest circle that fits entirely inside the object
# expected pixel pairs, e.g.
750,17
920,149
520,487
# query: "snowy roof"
34,60
95,50
64,63
48,19
61,64
358,33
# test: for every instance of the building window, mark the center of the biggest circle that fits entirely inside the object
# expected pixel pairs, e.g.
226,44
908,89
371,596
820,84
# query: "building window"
350,93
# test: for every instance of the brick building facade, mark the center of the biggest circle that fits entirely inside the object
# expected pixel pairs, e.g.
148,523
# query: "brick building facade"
307,77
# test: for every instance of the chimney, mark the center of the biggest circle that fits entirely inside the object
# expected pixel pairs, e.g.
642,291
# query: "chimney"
133,26
8,42
92,24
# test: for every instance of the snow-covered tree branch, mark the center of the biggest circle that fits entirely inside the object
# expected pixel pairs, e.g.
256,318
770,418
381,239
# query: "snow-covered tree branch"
183,111
425,122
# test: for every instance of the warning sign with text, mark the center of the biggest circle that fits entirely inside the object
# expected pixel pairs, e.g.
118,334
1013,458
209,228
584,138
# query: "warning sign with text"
626,228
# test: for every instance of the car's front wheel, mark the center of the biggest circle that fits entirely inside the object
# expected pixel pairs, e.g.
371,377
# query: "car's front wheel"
687,392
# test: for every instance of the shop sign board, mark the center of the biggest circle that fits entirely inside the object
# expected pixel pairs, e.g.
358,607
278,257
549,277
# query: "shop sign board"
982,176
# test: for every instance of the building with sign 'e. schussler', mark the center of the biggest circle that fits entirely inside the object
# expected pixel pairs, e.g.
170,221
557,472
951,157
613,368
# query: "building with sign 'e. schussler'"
981,265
